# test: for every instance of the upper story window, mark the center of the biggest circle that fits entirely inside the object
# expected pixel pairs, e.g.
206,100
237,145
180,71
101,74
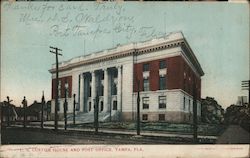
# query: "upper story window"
146,67
162,64
101,90
89,94
145,102
114,89
162,83
146,84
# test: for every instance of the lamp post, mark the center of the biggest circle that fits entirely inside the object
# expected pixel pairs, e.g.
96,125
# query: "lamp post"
74,110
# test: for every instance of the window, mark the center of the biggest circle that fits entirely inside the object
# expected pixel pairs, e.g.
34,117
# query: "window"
114,89
162,64
162,83
89,91
145,67
189,105
102,76
145,102
89,106
144,117
145,84
184,101
114,105
101,90
101,105
162,102
161,117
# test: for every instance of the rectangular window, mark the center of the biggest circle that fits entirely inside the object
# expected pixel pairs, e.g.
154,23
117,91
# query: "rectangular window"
145,117
162,102
189,105
162,83
89,106
114,89
101,90
145,67
145,102
184,105
145,84
89,91
114,105
101,106
162,64
161,117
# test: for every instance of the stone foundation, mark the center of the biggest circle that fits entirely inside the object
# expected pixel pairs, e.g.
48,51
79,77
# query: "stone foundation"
170,116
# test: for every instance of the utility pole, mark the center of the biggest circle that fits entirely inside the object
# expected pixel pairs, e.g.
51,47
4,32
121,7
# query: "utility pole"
65,104
24,102
56,95
47,111
195,122
138,108
74,110
8,110
43,102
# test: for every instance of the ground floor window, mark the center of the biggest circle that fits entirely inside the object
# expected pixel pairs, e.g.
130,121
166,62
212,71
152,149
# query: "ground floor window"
145,117
162,102
89,106
114,105
101,105
145,102
161,117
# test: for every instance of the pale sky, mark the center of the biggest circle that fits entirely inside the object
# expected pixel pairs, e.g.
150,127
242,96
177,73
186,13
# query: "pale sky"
218,33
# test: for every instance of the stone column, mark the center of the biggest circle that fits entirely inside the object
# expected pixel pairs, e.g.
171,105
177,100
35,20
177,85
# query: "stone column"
105,91
119,89
93,90
82,93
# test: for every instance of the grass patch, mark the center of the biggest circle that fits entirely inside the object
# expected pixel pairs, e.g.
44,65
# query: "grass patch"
203,129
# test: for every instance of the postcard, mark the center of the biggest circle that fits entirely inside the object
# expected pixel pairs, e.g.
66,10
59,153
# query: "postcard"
124,79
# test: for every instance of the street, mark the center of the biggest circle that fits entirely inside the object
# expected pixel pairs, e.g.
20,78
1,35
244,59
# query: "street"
18,135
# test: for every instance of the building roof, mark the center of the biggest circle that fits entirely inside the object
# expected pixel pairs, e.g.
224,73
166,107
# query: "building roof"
170,40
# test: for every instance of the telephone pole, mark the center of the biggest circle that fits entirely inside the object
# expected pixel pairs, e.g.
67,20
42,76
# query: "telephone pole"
138,108
55,51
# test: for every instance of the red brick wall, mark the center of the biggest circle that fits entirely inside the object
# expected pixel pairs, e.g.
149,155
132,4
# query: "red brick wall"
176,66
174,73
63,81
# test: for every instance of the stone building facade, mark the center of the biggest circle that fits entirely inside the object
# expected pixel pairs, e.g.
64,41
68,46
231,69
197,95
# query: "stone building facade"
164,70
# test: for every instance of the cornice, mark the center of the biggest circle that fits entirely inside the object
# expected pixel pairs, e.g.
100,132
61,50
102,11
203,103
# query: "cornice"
129,52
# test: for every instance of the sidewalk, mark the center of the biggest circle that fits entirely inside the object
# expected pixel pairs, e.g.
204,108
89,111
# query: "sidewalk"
50,125
234,134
